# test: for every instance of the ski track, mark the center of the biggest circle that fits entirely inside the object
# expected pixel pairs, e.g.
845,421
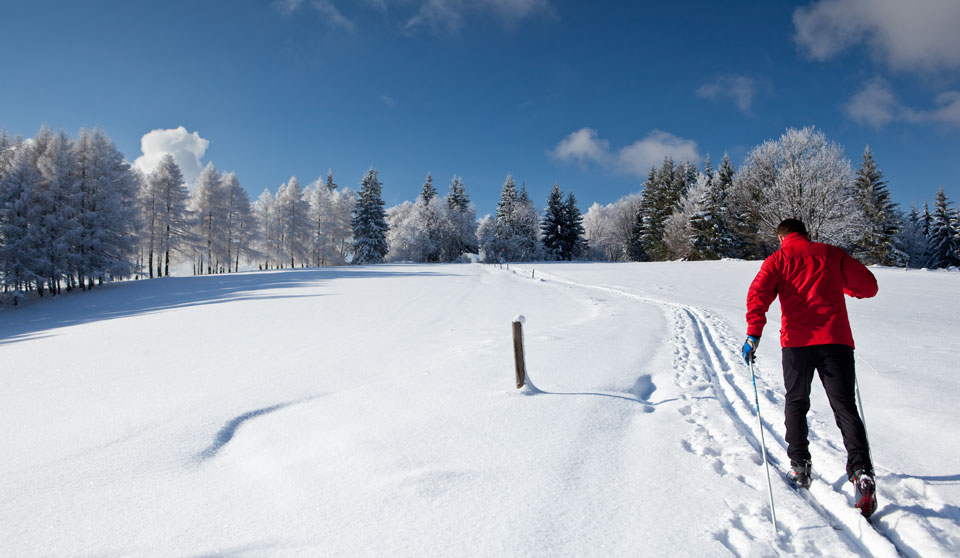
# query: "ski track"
705,358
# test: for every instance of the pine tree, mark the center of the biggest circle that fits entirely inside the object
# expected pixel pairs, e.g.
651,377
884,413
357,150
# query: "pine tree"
463,221
369,222
428,192
881,217
526,225
554,227
637,248
944,245
575,245
330,185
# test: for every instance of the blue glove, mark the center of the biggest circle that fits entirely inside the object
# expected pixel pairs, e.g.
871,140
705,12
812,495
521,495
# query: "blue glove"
750,348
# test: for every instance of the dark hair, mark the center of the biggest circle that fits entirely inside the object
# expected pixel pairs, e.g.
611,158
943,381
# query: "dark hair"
788,226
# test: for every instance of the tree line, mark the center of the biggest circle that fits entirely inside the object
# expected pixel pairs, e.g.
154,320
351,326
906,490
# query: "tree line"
74,213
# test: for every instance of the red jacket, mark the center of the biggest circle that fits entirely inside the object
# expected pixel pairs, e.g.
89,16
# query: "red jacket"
811,279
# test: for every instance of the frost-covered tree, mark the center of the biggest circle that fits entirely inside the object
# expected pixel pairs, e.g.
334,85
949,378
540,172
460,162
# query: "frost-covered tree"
293,210
517,227
18,260
662,192
912,241
239,223
408,239
944,244
711,230
429,222
881,216
268,230
461,228
55,208
208,203
801,175
369,222
167,193
428,192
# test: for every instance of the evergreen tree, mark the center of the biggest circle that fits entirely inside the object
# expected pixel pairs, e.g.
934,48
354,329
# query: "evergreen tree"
526,224
428,192
637,248
554,228
575,245
880,214
943,243
912,241
330,185
462,222
369,222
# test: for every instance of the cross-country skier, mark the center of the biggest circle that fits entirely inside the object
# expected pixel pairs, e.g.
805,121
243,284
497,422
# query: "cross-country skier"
811,278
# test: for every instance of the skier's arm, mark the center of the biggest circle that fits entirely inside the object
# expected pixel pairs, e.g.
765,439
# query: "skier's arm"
762,293
858,281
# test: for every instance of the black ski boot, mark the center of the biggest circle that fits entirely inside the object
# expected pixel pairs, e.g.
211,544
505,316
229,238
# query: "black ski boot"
865,490
800,473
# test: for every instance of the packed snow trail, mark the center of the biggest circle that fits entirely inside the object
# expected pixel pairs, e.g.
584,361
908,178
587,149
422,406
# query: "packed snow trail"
715,353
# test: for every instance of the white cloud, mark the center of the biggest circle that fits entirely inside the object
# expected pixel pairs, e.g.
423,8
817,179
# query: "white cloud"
287,7
436,16
876,105
581,146
741,89
907,35
187,148
448,15
640,156
584,145
335,17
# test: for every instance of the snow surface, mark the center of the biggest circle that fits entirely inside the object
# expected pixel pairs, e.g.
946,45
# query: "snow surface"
369,411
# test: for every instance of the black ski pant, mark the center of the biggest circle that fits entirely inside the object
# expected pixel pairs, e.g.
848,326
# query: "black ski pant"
835,365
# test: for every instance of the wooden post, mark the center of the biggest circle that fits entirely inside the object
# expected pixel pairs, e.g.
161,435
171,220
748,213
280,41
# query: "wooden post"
518,361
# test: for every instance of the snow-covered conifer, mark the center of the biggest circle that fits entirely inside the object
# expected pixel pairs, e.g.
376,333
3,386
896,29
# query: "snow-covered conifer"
881,217
369,222
944,245
554,226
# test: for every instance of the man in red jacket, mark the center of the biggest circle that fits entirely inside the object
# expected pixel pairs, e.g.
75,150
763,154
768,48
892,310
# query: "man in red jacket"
811,279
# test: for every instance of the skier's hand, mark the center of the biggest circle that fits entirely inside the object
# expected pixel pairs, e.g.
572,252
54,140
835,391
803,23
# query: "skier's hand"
750,348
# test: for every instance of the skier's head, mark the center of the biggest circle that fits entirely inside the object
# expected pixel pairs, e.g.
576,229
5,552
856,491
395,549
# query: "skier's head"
788,226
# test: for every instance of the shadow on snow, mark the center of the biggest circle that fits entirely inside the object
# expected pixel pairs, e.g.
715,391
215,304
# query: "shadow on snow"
132,298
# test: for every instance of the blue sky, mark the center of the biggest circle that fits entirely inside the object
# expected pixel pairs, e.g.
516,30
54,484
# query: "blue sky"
585,94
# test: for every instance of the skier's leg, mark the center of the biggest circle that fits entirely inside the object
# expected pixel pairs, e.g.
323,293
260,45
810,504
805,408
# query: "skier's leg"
835,363
798,367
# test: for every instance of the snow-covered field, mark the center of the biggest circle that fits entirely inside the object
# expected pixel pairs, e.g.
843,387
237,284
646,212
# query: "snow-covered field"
369,411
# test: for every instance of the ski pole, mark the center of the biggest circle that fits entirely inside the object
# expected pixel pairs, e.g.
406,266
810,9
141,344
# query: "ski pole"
863,419
763,446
